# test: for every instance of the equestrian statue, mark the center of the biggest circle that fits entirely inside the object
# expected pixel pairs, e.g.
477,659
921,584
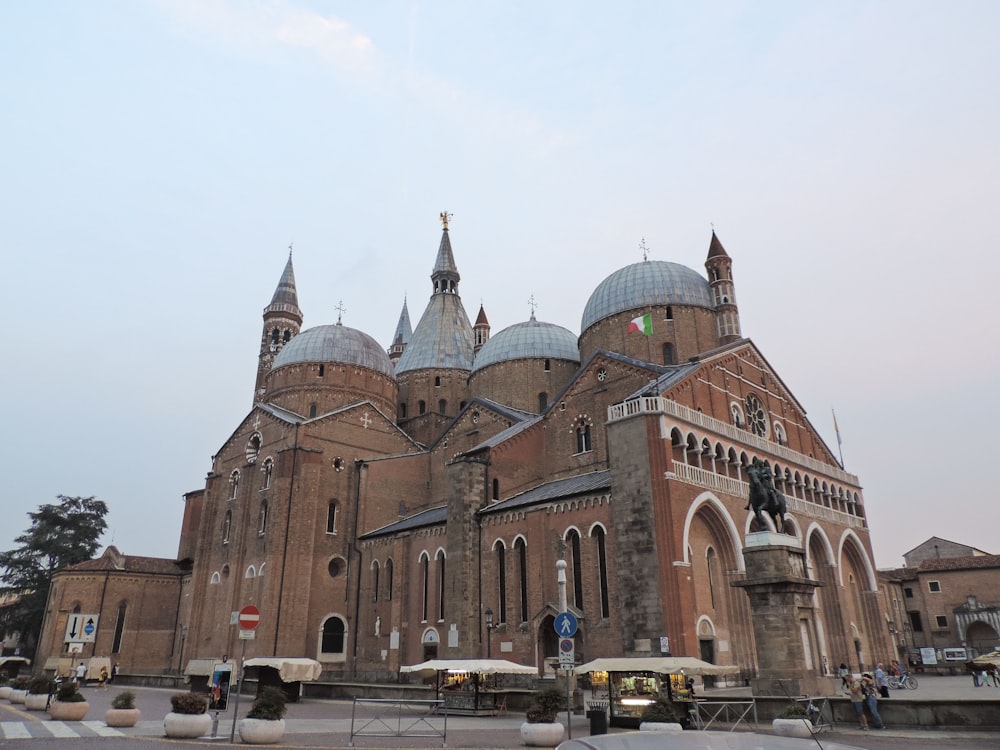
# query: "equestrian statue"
764,497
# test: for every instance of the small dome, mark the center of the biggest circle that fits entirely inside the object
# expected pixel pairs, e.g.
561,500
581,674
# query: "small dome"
651,282
532,339
335,343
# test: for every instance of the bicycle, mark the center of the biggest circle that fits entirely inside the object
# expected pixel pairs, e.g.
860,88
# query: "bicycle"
905,681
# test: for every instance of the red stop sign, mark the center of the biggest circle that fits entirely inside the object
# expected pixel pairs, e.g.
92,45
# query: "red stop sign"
249,617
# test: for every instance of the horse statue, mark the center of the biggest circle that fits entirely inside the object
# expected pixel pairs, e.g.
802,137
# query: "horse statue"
764,497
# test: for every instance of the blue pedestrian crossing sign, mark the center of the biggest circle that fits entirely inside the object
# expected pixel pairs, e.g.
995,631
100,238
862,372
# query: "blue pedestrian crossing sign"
566,624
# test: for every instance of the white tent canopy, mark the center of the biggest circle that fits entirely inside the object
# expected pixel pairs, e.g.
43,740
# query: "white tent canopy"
290,669
474,666
658,664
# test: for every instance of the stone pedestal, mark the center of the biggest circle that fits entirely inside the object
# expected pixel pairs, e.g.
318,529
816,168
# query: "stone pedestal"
781,607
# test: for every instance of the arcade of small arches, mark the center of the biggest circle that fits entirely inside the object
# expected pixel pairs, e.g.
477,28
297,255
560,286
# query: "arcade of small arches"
717,459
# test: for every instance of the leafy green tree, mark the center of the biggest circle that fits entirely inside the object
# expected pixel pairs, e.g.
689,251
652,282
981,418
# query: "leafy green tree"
60,534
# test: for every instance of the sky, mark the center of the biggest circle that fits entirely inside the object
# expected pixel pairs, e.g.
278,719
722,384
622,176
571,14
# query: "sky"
158,159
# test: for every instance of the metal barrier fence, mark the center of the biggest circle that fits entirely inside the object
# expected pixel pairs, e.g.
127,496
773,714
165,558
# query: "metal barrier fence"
384,717
706,713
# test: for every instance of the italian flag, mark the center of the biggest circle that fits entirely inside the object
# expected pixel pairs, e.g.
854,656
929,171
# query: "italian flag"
643,324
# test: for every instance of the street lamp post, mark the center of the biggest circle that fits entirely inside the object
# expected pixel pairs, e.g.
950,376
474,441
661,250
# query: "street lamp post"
489,632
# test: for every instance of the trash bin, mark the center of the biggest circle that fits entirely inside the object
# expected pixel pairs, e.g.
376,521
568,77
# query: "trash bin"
598,715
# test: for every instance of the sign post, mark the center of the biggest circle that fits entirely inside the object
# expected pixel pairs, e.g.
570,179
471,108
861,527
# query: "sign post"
566,625
248,620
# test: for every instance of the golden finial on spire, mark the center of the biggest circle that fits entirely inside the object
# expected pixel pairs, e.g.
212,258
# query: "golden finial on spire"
445,217
645,250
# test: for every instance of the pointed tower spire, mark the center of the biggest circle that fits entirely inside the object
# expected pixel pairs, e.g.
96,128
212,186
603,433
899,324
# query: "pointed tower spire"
720,279
445,275
402,335
282,322
481,330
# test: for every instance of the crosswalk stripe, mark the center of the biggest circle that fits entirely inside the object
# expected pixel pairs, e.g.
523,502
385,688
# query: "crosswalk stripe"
60,729
14,730
99,727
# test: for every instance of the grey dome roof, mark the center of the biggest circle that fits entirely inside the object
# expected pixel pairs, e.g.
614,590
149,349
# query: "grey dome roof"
651,282
335,343
532,339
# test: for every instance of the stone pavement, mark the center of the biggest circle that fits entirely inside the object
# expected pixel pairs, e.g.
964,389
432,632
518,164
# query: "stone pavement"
327,723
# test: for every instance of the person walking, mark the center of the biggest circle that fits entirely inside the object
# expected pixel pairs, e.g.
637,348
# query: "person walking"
845,677
881,680
81,674
102,679
871,698
858,697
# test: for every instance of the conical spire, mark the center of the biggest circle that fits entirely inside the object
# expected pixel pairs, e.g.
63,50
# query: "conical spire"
715,248
285,293
403,328
445,276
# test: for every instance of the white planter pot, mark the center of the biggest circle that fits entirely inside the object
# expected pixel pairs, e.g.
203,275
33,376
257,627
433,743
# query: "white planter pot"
36,701
660,726
186,726
542,735
5,692
121,717
792,727
17,696
261,731
59,711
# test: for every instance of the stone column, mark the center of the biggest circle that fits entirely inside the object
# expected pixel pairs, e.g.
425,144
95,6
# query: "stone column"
781,608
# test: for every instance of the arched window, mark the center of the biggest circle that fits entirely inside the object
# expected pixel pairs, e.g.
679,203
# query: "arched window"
116,642
375,572
227,524
543,401
442,407
710,564
496,490
437,381
267,469
262,519
251,572
216,578
331,517
602,570
440,576
573,537
334,632
670,312
388,580
402,411
234,484
668,354
522,572
501,583
287,337
312,410
421,407
425,562
583,435
548,365
275,336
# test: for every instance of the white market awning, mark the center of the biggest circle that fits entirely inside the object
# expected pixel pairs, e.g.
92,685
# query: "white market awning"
290,669
473,666
657,664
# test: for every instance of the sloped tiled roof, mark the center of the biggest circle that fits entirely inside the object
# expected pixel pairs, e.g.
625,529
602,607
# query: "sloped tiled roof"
582,484
430,517
112,561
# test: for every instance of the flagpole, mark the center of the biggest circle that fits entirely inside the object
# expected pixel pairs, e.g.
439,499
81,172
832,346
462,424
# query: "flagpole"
840,445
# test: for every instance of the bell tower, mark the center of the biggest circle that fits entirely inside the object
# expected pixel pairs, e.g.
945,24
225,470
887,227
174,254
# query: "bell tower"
720,280
282,322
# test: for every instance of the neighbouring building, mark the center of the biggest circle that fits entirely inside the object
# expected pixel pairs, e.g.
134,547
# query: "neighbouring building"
943,607
375,502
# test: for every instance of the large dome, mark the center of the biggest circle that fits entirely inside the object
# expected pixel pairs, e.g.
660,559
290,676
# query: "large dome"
532,339
651,282
335,343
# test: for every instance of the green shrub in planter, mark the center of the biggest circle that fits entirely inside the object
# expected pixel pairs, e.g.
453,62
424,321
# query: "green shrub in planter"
544,706
662,712
22,682
188,703
69,693
269,705
794,711
124,700
40,686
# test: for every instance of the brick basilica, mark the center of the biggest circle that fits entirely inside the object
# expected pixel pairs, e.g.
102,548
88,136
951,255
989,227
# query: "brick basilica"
375,502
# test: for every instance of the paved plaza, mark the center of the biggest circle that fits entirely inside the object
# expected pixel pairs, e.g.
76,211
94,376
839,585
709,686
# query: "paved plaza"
327,723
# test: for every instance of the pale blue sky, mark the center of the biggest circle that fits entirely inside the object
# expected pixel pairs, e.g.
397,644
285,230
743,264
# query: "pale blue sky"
158,157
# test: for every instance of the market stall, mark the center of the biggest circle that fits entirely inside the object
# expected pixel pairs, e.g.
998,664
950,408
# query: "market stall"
286,673
630,684
473,686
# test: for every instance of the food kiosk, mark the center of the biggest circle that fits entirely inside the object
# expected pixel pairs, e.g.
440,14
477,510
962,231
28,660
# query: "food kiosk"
631,684
471,686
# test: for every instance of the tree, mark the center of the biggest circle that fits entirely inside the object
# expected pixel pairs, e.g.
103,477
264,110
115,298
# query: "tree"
62,534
